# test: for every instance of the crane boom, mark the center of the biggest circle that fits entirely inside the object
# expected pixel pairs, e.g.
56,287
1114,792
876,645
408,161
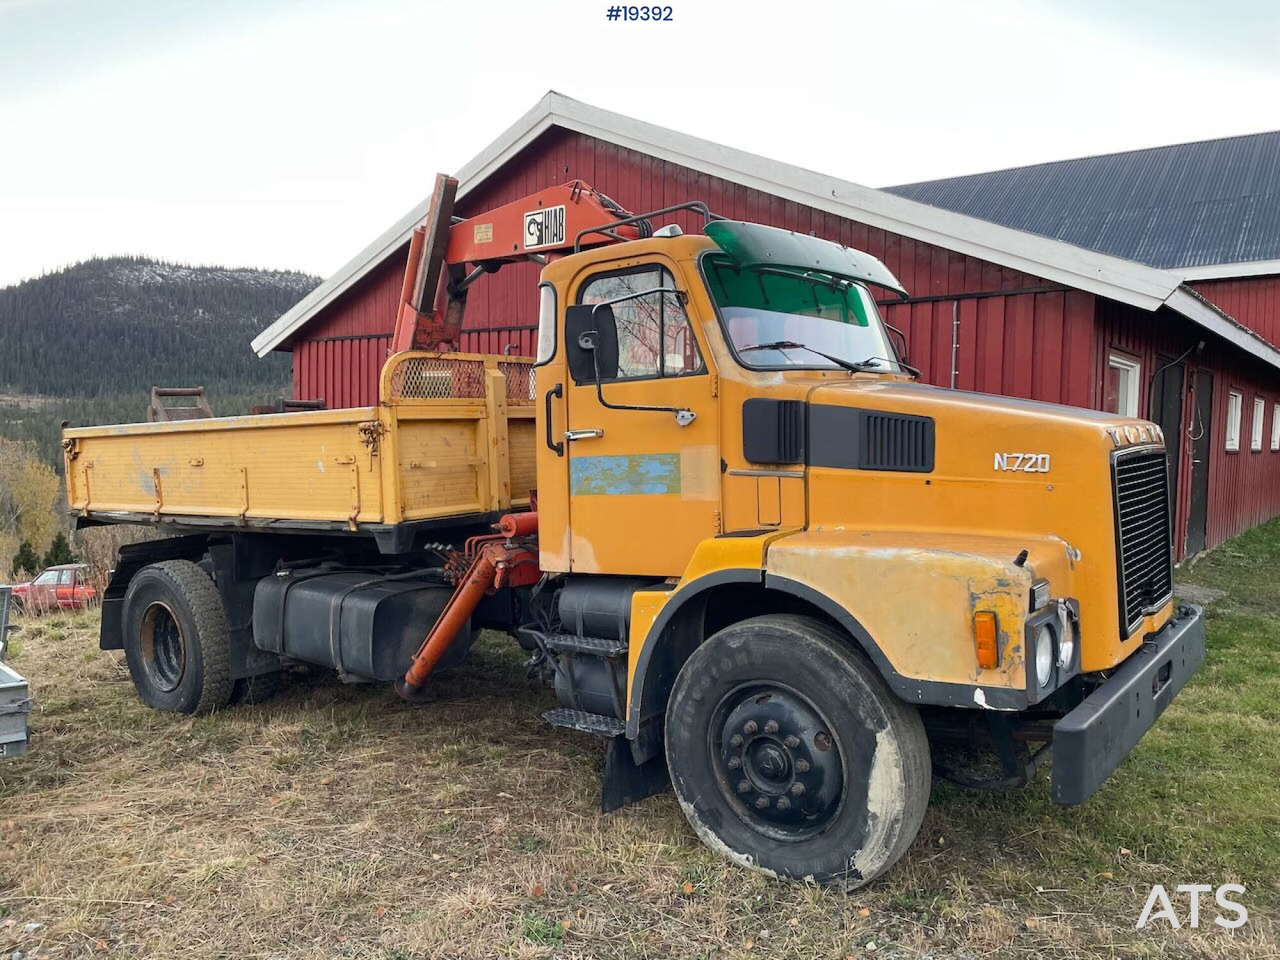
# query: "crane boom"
447,255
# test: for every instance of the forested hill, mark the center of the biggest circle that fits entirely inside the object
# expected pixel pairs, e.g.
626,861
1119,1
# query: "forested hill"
87,343
119,325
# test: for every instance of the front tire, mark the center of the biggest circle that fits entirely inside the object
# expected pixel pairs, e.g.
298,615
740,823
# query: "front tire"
176,639
791,756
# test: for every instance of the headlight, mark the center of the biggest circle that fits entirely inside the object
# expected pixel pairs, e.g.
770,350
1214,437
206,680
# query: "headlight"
1066,639
1044,655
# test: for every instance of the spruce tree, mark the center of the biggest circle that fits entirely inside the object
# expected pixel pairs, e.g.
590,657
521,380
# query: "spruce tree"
25,560
59,551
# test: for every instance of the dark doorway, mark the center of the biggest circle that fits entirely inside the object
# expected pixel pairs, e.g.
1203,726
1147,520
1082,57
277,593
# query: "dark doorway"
1165,408
1201,447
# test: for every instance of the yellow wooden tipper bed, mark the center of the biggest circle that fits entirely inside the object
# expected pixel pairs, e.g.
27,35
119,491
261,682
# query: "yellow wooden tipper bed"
451,441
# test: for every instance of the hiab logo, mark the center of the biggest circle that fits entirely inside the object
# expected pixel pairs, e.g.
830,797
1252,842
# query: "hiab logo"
1159,906
544,227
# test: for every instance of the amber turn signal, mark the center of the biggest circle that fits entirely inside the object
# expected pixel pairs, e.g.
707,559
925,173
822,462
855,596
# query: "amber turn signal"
984,639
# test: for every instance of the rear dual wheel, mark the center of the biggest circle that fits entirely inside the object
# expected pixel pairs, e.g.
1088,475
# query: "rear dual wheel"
178,645
790,755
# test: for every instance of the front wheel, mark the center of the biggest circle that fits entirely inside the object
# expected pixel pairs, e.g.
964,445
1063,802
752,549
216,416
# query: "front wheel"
790,755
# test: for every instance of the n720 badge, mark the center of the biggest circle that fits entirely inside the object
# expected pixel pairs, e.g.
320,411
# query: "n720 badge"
1022,462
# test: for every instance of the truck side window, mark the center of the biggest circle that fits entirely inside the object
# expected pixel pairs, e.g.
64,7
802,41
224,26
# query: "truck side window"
654,336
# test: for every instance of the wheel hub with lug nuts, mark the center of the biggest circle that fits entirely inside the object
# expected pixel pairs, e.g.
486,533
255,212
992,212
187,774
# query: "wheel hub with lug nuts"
778,762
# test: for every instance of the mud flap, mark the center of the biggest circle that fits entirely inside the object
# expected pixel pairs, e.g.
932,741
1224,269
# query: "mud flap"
625,781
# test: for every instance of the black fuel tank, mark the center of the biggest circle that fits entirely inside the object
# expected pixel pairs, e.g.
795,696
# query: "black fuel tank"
363,623
599,606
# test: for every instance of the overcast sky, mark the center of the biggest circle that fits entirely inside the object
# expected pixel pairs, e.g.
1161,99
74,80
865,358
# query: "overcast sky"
289,133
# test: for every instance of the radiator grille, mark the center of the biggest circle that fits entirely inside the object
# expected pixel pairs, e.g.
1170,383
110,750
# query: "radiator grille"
1144,550
896,442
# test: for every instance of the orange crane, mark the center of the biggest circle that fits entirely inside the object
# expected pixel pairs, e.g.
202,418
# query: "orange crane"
536,227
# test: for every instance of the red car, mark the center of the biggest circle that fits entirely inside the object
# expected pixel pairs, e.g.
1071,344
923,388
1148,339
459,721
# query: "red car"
64,587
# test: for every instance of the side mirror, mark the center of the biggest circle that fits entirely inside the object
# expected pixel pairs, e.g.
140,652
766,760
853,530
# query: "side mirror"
899,342
591,343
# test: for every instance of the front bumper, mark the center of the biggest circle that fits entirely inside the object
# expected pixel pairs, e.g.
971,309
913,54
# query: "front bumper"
1091,740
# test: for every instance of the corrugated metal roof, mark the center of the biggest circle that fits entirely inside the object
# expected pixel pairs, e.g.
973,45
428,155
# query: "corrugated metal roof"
1186,205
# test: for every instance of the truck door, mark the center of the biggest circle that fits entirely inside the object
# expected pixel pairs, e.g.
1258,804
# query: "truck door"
644,484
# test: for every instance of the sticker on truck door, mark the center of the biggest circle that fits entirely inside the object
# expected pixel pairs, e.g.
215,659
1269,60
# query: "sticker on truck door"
544,228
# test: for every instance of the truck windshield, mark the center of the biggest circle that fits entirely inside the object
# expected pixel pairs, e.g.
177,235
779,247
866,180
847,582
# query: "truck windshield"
763,309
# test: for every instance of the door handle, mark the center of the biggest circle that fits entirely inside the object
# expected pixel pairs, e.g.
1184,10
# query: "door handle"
552,445
572,435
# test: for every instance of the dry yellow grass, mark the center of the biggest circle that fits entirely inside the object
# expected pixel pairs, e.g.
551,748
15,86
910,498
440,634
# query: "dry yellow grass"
337,822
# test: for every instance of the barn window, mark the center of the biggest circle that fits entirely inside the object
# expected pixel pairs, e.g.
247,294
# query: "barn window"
1275,427
1233,420
1259,414
1122,384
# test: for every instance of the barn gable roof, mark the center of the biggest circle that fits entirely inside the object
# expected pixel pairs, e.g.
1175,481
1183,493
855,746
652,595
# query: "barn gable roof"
1204,209
1122,280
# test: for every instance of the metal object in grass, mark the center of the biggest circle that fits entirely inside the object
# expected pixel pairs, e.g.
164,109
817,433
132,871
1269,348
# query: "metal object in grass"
15,699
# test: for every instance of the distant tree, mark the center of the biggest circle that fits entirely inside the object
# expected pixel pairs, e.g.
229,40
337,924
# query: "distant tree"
25,560
29,492
59,551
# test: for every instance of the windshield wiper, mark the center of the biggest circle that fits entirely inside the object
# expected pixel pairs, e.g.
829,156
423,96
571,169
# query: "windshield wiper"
793,345
870,362
864,366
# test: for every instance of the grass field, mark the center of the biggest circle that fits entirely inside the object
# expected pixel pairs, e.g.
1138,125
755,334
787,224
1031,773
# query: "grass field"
337,822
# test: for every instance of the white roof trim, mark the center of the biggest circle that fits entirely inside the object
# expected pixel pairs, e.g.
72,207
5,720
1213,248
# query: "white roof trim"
1231,271
1200,310
1123,280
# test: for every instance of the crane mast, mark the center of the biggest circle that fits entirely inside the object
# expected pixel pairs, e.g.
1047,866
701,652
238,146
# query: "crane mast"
448,254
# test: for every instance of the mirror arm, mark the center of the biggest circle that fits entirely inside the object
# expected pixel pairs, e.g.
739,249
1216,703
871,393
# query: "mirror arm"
901,336
684,416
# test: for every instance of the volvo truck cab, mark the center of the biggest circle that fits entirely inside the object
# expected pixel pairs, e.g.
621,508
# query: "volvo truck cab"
832,573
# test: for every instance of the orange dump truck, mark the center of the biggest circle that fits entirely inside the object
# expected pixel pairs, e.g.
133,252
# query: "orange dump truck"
736,536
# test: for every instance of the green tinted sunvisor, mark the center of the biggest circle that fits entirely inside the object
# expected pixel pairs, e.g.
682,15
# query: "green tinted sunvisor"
754,245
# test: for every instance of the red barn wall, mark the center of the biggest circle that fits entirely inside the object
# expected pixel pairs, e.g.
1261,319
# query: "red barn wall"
340,357
1254,301
1244,486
